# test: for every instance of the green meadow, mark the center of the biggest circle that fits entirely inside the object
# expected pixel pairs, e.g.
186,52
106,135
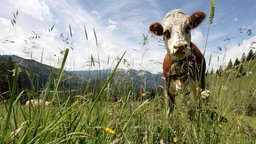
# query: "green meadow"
228,117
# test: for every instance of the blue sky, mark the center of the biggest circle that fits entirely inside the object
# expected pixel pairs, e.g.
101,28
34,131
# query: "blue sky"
119,26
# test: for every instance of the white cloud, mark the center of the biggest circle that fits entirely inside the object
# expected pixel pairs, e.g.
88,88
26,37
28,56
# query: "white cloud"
119,27
96,13
237,50
197,37
112,25
233,52
38,9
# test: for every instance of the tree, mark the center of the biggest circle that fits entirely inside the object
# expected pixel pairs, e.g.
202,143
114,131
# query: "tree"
219,72
243,58
211,71
230,65
240,71
250,55
6,72
237,62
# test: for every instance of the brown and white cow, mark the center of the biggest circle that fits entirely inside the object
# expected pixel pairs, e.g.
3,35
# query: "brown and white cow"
184,64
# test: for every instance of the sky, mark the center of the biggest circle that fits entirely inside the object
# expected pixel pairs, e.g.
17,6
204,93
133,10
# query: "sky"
98,32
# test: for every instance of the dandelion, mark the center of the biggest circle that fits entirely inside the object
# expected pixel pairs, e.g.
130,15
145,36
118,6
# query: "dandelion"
198,89
175,139
110,131
143,94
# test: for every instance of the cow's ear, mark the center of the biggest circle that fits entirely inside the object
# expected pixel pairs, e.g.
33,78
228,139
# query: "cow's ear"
156,28
196,18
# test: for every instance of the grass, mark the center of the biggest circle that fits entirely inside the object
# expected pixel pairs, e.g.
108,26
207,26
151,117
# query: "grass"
100,120
96,118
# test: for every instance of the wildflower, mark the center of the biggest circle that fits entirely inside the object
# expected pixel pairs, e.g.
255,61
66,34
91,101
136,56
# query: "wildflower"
143,94
110,131
205,94
198,89
174,139
13,71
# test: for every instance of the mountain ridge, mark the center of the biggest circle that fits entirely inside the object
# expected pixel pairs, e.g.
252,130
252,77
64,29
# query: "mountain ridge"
40,72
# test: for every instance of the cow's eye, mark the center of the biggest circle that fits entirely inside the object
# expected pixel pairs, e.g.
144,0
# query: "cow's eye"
188,28
167,34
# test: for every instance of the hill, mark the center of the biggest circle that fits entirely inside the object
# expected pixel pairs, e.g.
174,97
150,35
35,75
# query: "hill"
35,74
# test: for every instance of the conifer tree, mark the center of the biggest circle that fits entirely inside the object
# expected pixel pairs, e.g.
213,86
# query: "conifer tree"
240,71
230,65
219,72
211,71
237,62
243,58
6,72
250,55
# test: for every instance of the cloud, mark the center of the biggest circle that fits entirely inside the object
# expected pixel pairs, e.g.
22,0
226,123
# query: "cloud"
237,50
119,27
96,13
215,35
197,37
38,9
112,25
232,52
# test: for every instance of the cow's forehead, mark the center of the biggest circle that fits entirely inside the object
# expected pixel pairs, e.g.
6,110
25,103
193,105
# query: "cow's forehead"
174,18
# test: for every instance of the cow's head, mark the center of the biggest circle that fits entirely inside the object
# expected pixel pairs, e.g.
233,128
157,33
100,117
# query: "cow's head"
176,28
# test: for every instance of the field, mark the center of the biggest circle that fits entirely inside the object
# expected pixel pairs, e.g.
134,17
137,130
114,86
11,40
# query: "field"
228,117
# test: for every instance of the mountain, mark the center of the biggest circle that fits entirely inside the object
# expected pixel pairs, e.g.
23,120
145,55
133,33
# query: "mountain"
139,77
40,73
31,69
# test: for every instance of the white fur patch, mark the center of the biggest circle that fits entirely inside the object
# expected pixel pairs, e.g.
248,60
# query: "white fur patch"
176,22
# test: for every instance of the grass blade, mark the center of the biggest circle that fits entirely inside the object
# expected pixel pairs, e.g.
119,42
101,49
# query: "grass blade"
95,36
13,94
106,83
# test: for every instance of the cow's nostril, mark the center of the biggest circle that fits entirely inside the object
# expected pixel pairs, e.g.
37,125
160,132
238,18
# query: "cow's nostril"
180,46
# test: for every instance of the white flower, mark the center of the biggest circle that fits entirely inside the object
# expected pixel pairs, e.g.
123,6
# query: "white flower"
13,71
205,94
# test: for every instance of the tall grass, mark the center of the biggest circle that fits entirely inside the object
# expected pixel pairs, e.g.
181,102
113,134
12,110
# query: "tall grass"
100,120
96,118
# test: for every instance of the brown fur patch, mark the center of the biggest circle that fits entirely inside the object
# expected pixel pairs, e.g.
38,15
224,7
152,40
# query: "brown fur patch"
156,28
196,18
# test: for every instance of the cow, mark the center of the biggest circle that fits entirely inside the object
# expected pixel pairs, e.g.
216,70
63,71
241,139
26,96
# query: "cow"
184,65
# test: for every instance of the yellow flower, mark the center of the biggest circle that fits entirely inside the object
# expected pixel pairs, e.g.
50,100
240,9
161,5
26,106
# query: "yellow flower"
198,89
143,94
175,139
110,131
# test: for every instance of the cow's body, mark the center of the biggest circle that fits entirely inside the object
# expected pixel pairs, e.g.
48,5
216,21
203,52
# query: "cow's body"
184,64
184,76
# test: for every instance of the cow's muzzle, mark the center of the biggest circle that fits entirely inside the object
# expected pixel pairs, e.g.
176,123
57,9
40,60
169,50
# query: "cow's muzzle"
180,48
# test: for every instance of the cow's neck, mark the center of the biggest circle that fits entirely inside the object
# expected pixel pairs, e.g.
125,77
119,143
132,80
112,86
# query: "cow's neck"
185,68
